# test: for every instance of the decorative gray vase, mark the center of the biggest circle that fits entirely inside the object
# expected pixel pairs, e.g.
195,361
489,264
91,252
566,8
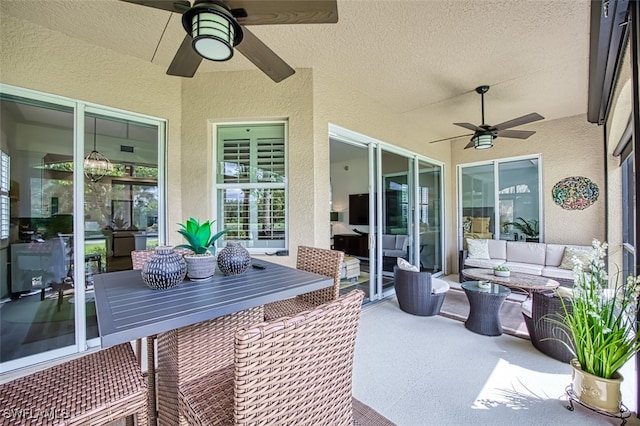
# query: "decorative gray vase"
234,259
164,269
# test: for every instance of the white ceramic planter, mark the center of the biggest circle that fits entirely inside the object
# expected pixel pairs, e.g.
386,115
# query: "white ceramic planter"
501,273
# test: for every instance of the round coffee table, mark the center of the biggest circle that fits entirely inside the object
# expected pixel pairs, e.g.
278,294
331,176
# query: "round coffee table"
526,283
484,307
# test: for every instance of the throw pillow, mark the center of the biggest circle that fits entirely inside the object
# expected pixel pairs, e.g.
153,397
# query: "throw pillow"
478,248
567,257
404,265
466,225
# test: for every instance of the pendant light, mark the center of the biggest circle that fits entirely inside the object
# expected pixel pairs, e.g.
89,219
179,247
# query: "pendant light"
96,165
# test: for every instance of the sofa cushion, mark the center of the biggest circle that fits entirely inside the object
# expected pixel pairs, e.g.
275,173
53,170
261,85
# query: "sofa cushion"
555,272
478,248
401,241
483,263
580,253
521,252
527,307
388,241
406,266
554,254
497,249
438,286
524,268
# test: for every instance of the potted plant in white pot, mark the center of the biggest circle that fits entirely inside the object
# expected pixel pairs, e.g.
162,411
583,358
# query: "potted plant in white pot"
201,264
600,319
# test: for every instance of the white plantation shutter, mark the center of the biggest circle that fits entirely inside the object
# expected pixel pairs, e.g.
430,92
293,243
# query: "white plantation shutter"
251,184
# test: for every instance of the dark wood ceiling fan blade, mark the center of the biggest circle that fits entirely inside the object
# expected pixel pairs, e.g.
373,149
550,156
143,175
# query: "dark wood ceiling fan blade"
453,137
177,6
186,61
470,127
286,12
515,134
470,145
525,119
263,57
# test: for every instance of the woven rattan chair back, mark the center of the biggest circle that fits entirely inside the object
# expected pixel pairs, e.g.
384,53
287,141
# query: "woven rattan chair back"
324,262
138,257
96,389
290,371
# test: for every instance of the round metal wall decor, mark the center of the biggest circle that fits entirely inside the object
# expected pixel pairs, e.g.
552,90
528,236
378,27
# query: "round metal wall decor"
575,193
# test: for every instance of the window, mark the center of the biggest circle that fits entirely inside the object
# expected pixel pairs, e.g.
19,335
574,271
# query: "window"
251,184
628,228
4,196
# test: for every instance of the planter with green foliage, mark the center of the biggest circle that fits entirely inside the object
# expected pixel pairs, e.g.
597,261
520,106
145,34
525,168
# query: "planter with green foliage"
530,228
201,265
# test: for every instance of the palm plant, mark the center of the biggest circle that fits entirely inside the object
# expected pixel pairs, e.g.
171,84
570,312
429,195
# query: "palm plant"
530,228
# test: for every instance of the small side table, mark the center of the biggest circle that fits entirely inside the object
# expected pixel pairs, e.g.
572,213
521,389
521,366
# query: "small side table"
484,307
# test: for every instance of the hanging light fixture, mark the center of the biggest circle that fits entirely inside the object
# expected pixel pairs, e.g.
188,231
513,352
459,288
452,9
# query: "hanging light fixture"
482,141
96,165
214,30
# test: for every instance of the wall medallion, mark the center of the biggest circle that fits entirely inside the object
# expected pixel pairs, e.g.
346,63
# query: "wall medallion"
575,193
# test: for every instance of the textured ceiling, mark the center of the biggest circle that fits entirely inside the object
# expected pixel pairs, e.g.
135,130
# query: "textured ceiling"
421,58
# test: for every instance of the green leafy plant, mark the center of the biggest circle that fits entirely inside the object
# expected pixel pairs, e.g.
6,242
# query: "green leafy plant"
199,236
601,318
501,268
530,228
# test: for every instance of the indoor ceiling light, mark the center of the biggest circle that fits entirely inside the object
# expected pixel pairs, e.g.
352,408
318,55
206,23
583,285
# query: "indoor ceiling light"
214,30
96,165
482,141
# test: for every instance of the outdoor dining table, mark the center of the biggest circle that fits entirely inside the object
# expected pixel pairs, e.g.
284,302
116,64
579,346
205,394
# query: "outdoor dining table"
127,309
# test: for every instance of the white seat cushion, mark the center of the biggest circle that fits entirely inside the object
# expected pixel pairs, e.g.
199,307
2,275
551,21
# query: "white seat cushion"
439,286
406,266
555,272
525,268
483,263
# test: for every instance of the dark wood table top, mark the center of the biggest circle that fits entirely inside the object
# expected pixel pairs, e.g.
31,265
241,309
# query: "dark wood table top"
127,309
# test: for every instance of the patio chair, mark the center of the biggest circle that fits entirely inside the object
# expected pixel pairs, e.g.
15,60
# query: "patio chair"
311,259
294,371
95,389
547,336
418,293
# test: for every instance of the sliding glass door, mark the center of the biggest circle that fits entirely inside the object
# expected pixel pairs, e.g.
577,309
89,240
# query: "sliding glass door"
80,189
500,200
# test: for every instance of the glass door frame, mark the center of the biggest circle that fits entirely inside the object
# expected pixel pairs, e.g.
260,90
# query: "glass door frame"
80,110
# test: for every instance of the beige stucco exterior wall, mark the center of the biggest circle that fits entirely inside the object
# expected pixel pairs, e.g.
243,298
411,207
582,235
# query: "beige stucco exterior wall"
39,59
569,147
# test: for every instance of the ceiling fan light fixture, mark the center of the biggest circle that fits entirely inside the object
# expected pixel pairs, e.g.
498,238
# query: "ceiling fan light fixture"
214,30
482,141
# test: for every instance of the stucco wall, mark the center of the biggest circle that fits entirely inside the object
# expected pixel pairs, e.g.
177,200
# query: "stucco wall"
44,60
570,147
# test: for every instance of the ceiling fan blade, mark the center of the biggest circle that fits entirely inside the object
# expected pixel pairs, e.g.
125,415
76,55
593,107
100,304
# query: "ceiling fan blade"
286,12
453,137
177,6
515,134
470,145
525,119
470,127
186,61
263,57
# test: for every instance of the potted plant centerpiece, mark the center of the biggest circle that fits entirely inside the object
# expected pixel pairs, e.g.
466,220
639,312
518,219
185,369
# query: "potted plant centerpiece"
530,228
201,264
600,319
501,271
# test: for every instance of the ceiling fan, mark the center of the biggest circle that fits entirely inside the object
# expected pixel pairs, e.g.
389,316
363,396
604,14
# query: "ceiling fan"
484,134
215,27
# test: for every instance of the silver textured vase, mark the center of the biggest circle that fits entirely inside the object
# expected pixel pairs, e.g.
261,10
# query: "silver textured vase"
234,259
164,269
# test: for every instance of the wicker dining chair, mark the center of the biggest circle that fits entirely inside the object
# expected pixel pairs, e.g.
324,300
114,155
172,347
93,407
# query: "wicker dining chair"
289,371
311,259
95,389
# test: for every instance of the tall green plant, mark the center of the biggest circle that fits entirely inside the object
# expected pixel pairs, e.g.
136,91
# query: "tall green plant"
199,236
529,228
601,320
